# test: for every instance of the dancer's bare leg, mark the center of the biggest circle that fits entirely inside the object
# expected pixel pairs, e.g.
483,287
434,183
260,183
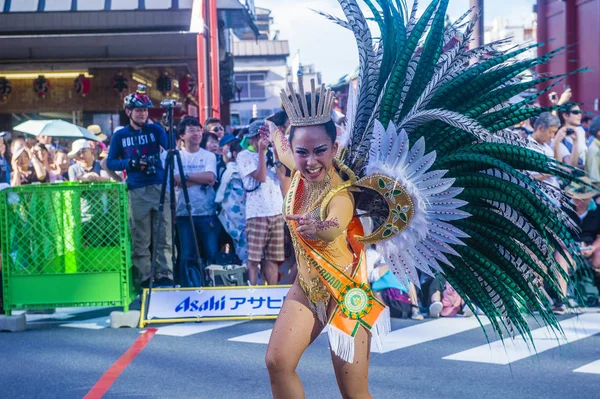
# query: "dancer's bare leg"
295,329
353,378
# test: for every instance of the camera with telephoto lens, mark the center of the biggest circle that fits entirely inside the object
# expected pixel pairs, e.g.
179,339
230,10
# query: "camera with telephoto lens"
168,104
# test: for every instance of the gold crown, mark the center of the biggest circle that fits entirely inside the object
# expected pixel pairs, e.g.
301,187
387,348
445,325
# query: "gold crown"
297,108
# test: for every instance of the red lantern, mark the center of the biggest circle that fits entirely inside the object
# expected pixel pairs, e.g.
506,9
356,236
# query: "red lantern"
41,86
164,84
82,85
188,86
119,84
5,89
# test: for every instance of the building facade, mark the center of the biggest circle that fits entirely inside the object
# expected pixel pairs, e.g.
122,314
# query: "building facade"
77,59
576,24
260,72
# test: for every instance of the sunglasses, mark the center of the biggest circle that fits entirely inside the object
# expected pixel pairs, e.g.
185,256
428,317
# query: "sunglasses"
576,112
217,129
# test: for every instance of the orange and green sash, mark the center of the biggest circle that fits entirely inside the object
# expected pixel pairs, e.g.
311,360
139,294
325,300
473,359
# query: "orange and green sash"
356,304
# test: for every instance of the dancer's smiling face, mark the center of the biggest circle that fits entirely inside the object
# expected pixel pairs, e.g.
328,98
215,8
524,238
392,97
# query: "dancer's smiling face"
314,149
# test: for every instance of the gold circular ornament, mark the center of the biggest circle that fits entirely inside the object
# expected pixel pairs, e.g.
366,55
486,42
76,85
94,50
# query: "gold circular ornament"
356,300
400,204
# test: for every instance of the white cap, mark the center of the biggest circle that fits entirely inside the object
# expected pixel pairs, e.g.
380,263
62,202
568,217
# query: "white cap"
77,146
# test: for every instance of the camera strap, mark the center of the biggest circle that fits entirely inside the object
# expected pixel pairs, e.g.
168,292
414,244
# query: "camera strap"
270,164
254,189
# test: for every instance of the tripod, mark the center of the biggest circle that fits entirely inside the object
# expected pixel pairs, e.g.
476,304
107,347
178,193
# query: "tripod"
173,156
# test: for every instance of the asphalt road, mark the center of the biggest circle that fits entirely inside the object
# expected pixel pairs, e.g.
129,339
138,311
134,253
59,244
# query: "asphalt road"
65,354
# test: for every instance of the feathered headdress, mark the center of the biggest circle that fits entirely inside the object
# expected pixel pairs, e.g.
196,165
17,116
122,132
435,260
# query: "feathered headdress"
428,135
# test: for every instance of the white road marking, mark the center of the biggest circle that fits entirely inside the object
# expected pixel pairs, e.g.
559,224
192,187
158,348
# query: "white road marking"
428,331
497,352
91,324
592,368
260,337
187,329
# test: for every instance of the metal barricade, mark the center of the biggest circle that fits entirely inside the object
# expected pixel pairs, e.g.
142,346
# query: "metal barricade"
65,245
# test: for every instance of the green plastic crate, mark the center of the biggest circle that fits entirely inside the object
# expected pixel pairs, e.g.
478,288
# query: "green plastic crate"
65,245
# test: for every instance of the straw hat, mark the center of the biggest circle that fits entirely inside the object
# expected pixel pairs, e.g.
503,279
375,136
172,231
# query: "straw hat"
582,191
97,130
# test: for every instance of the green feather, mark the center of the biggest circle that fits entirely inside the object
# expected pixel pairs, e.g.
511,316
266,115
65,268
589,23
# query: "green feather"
391,97
428,60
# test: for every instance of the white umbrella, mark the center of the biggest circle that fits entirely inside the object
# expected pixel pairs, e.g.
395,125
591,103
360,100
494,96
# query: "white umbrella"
55,128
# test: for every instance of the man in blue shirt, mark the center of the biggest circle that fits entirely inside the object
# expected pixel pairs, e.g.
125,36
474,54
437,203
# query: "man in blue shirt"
136,150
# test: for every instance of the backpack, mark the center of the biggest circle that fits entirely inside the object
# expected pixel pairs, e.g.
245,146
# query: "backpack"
398,302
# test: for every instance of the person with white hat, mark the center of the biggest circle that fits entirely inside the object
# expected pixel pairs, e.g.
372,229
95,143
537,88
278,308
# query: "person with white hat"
85,168
26,168
588,221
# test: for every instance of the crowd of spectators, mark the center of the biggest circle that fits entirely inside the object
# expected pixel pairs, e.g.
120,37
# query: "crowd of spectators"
29,159
236,186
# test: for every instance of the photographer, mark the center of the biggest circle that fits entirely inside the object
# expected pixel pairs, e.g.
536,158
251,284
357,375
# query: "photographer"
199,169
572,146
136,149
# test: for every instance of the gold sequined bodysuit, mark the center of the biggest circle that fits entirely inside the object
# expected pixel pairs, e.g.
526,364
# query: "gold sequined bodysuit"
308,201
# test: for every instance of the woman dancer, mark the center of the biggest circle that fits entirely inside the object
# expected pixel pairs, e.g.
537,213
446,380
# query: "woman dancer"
326,247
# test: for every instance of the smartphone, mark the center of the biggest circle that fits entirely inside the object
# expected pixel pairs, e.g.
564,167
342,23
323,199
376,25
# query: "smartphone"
588,248
570,131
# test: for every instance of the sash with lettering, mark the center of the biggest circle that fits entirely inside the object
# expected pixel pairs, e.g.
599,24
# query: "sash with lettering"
356,304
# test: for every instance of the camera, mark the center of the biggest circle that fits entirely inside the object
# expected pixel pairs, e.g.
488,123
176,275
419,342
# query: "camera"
150,160
570,131
168,104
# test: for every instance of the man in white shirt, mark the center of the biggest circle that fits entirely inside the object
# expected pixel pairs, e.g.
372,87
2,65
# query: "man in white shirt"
264,206
574,145
545,129
199,169
592,161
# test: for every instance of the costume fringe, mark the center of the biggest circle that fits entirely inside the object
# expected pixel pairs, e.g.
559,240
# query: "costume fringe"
382,327
341,344
321,311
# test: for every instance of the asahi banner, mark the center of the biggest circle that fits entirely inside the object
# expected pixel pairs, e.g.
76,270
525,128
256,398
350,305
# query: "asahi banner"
234,302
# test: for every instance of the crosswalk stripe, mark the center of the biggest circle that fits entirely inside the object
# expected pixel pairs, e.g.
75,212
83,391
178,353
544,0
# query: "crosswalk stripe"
591,368
260,337
91,324
575,328
185,330
397,339
428,331
57,316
